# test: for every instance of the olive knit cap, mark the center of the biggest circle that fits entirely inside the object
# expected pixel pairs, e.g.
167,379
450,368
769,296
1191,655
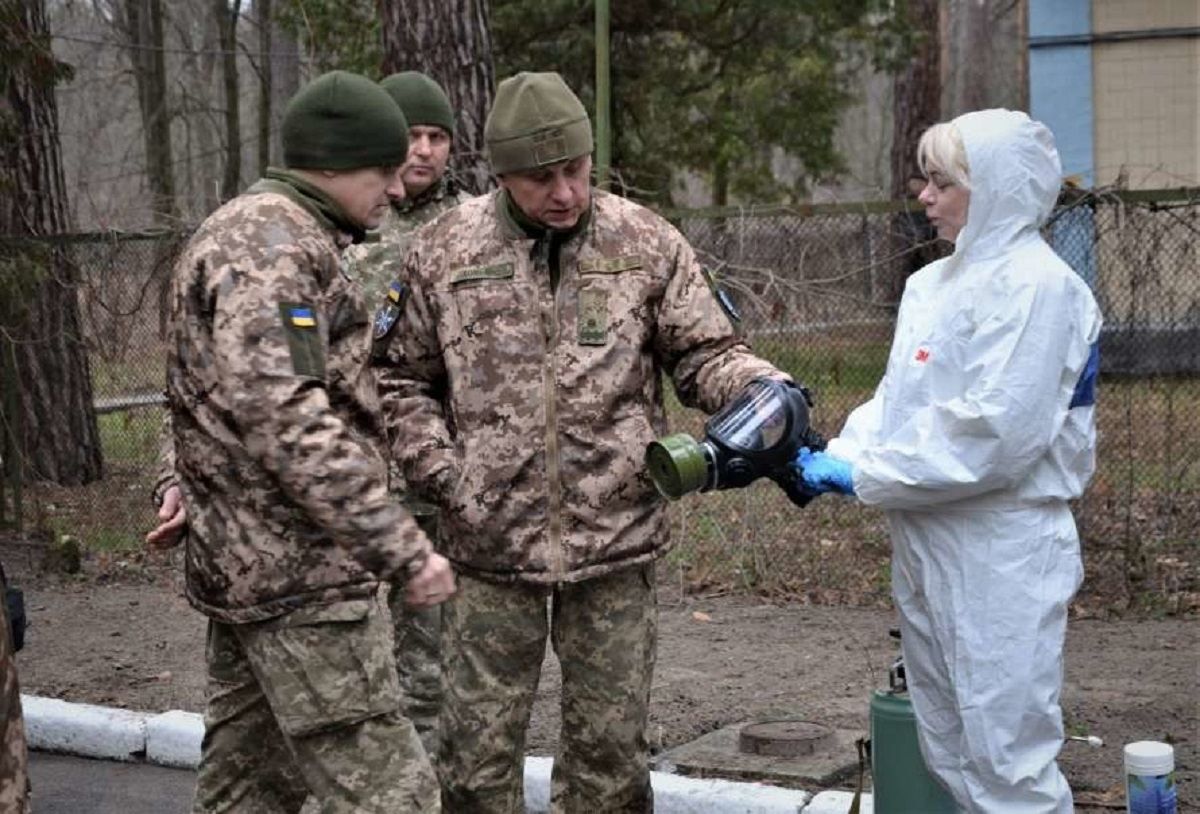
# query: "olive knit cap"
536,120
343,121
421,99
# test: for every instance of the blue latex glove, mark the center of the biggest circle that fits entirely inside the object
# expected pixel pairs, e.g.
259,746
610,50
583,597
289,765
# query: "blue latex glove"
822,472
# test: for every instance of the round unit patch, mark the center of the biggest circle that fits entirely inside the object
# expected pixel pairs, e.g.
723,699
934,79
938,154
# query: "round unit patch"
385,319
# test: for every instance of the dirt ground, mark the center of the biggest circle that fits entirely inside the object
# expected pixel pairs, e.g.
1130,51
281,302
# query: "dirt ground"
121,634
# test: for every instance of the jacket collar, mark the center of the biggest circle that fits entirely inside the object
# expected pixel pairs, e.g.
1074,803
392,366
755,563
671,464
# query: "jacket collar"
328,212
434,193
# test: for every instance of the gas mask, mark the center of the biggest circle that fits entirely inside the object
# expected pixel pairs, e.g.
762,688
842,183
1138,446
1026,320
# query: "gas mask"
755,435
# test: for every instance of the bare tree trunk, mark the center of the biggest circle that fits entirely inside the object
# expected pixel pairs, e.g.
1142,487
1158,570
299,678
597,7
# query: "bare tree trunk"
265,69
143,24
451,41
968,81
285,73
976,89
227,19
916,93
196,28
916,104
40,332
720,183
206,112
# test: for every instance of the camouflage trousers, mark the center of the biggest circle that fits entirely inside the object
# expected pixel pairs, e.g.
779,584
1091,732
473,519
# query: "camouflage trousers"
303,716
14,760
603,631
417,637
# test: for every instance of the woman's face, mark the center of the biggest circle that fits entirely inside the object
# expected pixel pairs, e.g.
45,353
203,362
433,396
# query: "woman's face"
945,205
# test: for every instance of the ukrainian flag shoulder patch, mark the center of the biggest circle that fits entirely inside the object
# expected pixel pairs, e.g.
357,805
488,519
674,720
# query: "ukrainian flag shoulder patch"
395,291
303,339
302,316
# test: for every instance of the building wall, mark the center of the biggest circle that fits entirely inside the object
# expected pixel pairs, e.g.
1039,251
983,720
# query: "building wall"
1147,95
1137,15
1060,81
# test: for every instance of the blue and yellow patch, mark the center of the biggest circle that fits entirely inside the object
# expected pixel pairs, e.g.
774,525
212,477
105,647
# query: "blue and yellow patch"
395,291
302,316
304,340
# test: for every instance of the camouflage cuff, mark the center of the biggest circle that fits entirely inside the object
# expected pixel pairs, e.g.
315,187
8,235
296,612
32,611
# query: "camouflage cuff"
414,566
443,483
158,493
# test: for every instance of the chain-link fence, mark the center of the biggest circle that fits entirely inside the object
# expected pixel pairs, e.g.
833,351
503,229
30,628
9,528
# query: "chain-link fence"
817,288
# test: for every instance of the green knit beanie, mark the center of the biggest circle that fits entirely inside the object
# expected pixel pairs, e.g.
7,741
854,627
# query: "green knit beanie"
535,120
422,100
343,121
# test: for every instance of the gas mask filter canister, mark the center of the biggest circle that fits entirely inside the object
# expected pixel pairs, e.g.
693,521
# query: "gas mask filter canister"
753,436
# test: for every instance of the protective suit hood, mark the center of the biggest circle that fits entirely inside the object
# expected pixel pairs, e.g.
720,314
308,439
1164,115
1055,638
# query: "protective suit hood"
1015,177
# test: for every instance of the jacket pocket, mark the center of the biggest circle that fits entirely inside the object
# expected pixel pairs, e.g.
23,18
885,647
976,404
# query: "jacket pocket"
482,305
499,498
604,474
610,312
488,327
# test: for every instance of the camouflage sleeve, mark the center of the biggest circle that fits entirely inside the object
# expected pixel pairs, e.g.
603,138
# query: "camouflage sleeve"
14,757
270,331
165,478
411,377
701,349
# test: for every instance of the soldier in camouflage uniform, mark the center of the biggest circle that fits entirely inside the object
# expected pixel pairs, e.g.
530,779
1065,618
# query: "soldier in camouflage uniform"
520,360
14,759
290,525
428,193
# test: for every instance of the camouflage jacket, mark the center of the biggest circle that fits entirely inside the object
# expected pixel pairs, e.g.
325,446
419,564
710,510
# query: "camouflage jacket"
525,412
378,262
14,756
275,417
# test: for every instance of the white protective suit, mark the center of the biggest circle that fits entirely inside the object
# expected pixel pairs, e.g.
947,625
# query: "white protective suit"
971,447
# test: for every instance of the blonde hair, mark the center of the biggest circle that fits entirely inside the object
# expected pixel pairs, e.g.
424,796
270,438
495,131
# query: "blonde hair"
941,150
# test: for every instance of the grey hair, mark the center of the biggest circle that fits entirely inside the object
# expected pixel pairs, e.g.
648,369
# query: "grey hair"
941,150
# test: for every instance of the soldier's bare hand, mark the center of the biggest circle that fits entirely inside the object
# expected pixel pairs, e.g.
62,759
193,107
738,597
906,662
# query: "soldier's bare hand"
433,584
172,515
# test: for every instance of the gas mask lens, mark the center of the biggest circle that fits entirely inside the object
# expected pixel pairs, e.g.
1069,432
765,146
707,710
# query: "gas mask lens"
754,422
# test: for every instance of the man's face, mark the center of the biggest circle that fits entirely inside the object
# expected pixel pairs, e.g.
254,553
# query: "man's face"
428,152
555,195
366,193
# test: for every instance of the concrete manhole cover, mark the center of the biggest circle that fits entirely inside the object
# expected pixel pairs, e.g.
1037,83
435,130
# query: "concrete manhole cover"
783,751
785,738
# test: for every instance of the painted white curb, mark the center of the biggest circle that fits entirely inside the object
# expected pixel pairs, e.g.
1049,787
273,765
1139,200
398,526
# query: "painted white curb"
838,802
173,739
83,729
676,794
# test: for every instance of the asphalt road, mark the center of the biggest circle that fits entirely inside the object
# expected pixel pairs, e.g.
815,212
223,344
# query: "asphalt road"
76,785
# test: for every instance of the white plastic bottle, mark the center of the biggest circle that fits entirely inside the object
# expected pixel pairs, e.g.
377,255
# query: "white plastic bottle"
1150,778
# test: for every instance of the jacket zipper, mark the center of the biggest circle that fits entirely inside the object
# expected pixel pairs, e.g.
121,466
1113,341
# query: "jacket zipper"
549,391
